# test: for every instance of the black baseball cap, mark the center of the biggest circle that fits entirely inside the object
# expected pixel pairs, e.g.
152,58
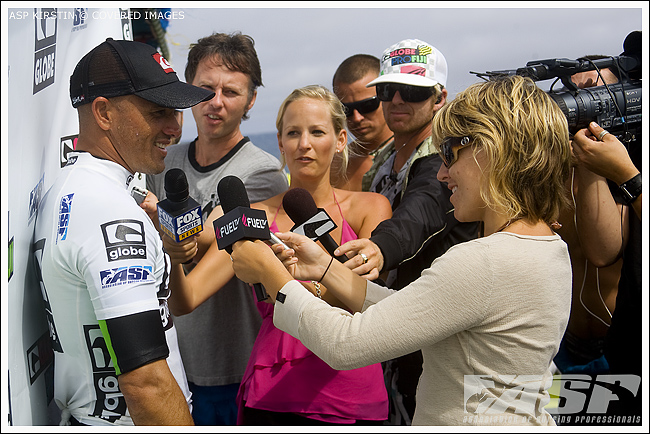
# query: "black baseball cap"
118,67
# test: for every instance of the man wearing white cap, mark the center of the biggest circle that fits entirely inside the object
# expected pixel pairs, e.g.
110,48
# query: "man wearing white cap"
411,86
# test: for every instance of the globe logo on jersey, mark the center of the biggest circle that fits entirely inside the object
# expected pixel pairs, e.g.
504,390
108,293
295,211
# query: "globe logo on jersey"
124,239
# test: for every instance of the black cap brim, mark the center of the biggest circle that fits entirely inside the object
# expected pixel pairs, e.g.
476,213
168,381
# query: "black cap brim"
176,95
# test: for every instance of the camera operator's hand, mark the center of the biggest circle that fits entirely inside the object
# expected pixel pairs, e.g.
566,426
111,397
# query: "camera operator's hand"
606,157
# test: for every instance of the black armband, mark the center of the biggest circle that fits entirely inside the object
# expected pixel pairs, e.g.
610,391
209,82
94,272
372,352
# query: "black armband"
631,189
135,340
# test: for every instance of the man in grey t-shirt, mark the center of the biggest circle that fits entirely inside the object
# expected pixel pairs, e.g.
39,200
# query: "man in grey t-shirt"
217,337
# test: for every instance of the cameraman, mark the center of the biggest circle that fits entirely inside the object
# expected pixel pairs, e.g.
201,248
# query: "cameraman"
594,78
594,288
607,232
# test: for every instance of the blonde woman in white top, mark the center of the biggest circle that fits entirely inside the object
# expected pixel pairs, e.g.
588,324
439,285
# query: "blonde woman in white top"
489,314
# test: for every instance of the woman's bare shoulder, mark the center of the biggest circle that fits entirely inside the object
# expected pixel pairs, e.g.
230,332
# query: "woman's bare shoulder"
365,209
364,199
269,205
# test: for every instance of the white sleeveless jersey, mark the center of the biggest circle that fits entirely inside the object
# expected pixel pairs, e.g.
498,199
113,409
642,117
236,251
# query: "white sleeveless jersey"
104,280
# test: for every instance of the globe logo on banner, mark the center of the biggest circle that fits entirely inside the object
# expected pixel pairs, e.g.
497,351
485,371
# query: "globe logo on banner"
44,47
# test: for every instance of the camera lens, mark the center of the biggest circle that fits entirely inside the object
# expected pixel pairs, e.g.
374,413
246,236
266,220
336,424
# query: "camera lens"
611,108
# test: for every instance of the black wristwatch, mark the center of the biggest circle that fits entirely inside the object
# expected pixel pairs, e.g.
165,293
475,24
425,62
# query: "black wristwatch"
631,189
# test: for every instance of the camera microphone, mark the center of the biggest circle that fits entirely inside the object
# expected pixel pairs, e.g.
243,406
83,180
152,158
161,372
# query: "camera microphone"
616,107
309,220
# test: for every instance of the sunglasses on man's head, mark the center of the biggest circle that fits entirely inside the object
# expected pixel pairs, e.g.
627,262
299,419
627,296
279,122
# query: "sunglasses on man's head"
450,147
386,92
364,106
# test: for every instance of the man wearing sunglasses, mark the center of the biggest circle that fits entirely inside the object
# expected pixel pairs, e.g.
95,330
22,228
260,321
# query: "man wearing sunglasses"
411,87
365,119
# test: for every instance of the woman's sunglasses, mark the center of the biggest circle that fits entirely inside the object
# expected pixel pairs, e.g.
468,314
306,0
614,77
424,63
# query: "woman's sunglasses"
386,92
450,147
364,106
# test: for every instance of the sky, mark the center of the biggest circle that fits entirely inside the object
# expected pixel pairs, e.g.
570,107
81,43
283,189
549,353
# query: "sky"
301,46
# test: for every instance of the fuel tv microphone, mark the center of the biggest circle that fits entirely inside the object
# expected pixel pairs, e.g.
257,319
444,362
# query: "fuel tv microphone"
309,220
239,221
179,215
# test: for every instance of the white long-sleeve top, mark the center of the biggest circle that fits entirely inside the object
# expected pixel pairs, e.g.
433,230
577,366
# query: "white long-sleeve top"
488,316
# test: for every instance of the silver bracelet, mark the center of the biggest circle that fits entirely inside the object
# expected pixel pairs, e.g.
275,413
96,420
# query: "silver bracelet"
317,286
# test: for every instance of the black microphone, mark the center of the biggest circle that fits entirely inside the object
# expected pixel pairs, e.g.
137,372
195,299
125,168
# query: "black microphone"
179,215
310,221
240,221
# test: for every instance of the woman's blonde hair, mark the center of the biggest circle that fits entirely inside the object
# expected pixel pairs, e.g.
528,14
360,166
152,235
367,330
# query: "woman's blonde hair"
337,114
525,137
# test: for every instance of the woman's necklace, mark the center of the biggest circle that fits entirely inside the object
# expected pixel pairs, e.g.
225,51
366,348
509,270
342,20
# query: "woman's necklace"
506,224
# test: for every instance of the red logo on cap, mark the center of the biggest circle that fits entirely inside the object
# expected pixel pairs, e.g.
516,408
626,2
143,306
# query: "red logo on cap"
415,70
164,64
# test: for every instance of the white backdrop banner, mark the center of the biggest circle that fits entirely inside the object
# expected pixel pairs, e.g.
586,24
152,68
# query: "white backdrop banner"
43,47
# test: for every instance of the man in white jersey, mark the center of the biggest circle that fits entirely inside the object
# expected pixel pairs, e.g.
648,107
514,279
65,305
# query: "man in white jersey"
104,272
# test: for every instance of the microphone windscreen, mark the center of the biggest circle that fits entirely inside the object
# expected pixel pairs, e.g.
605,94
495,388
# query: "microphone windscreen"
232,193
176,187
299,205
632,44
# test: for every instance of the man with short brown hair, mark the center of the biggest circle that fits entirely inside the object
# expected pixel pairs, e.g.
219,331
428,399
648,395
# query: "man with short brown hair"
365,120
216,339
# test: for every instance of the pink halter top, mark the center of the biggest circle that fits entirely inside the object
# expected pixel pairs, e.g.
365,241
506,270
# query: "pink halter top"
282,375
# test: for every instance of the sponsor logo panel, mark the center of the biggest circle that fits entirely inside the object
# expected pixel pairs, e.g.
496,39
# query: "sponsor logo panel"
79,17
123,275
10,258
124,239
35,197
45,23
65,207
37,249
68,144
110,404
39,357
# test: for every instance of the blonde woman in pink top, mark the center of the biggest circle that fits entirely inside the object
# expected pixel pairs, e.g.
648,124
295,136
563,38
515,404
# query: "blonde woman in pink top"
285,383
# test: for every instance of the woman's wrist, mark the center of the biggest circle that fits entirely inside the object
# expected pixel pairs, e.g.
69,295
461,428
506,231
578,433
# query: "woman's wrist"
326,269
317,283
275,280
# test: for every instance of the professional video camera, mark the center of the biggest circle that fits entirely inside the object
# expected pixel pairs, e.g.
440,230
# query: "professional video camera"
615,107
